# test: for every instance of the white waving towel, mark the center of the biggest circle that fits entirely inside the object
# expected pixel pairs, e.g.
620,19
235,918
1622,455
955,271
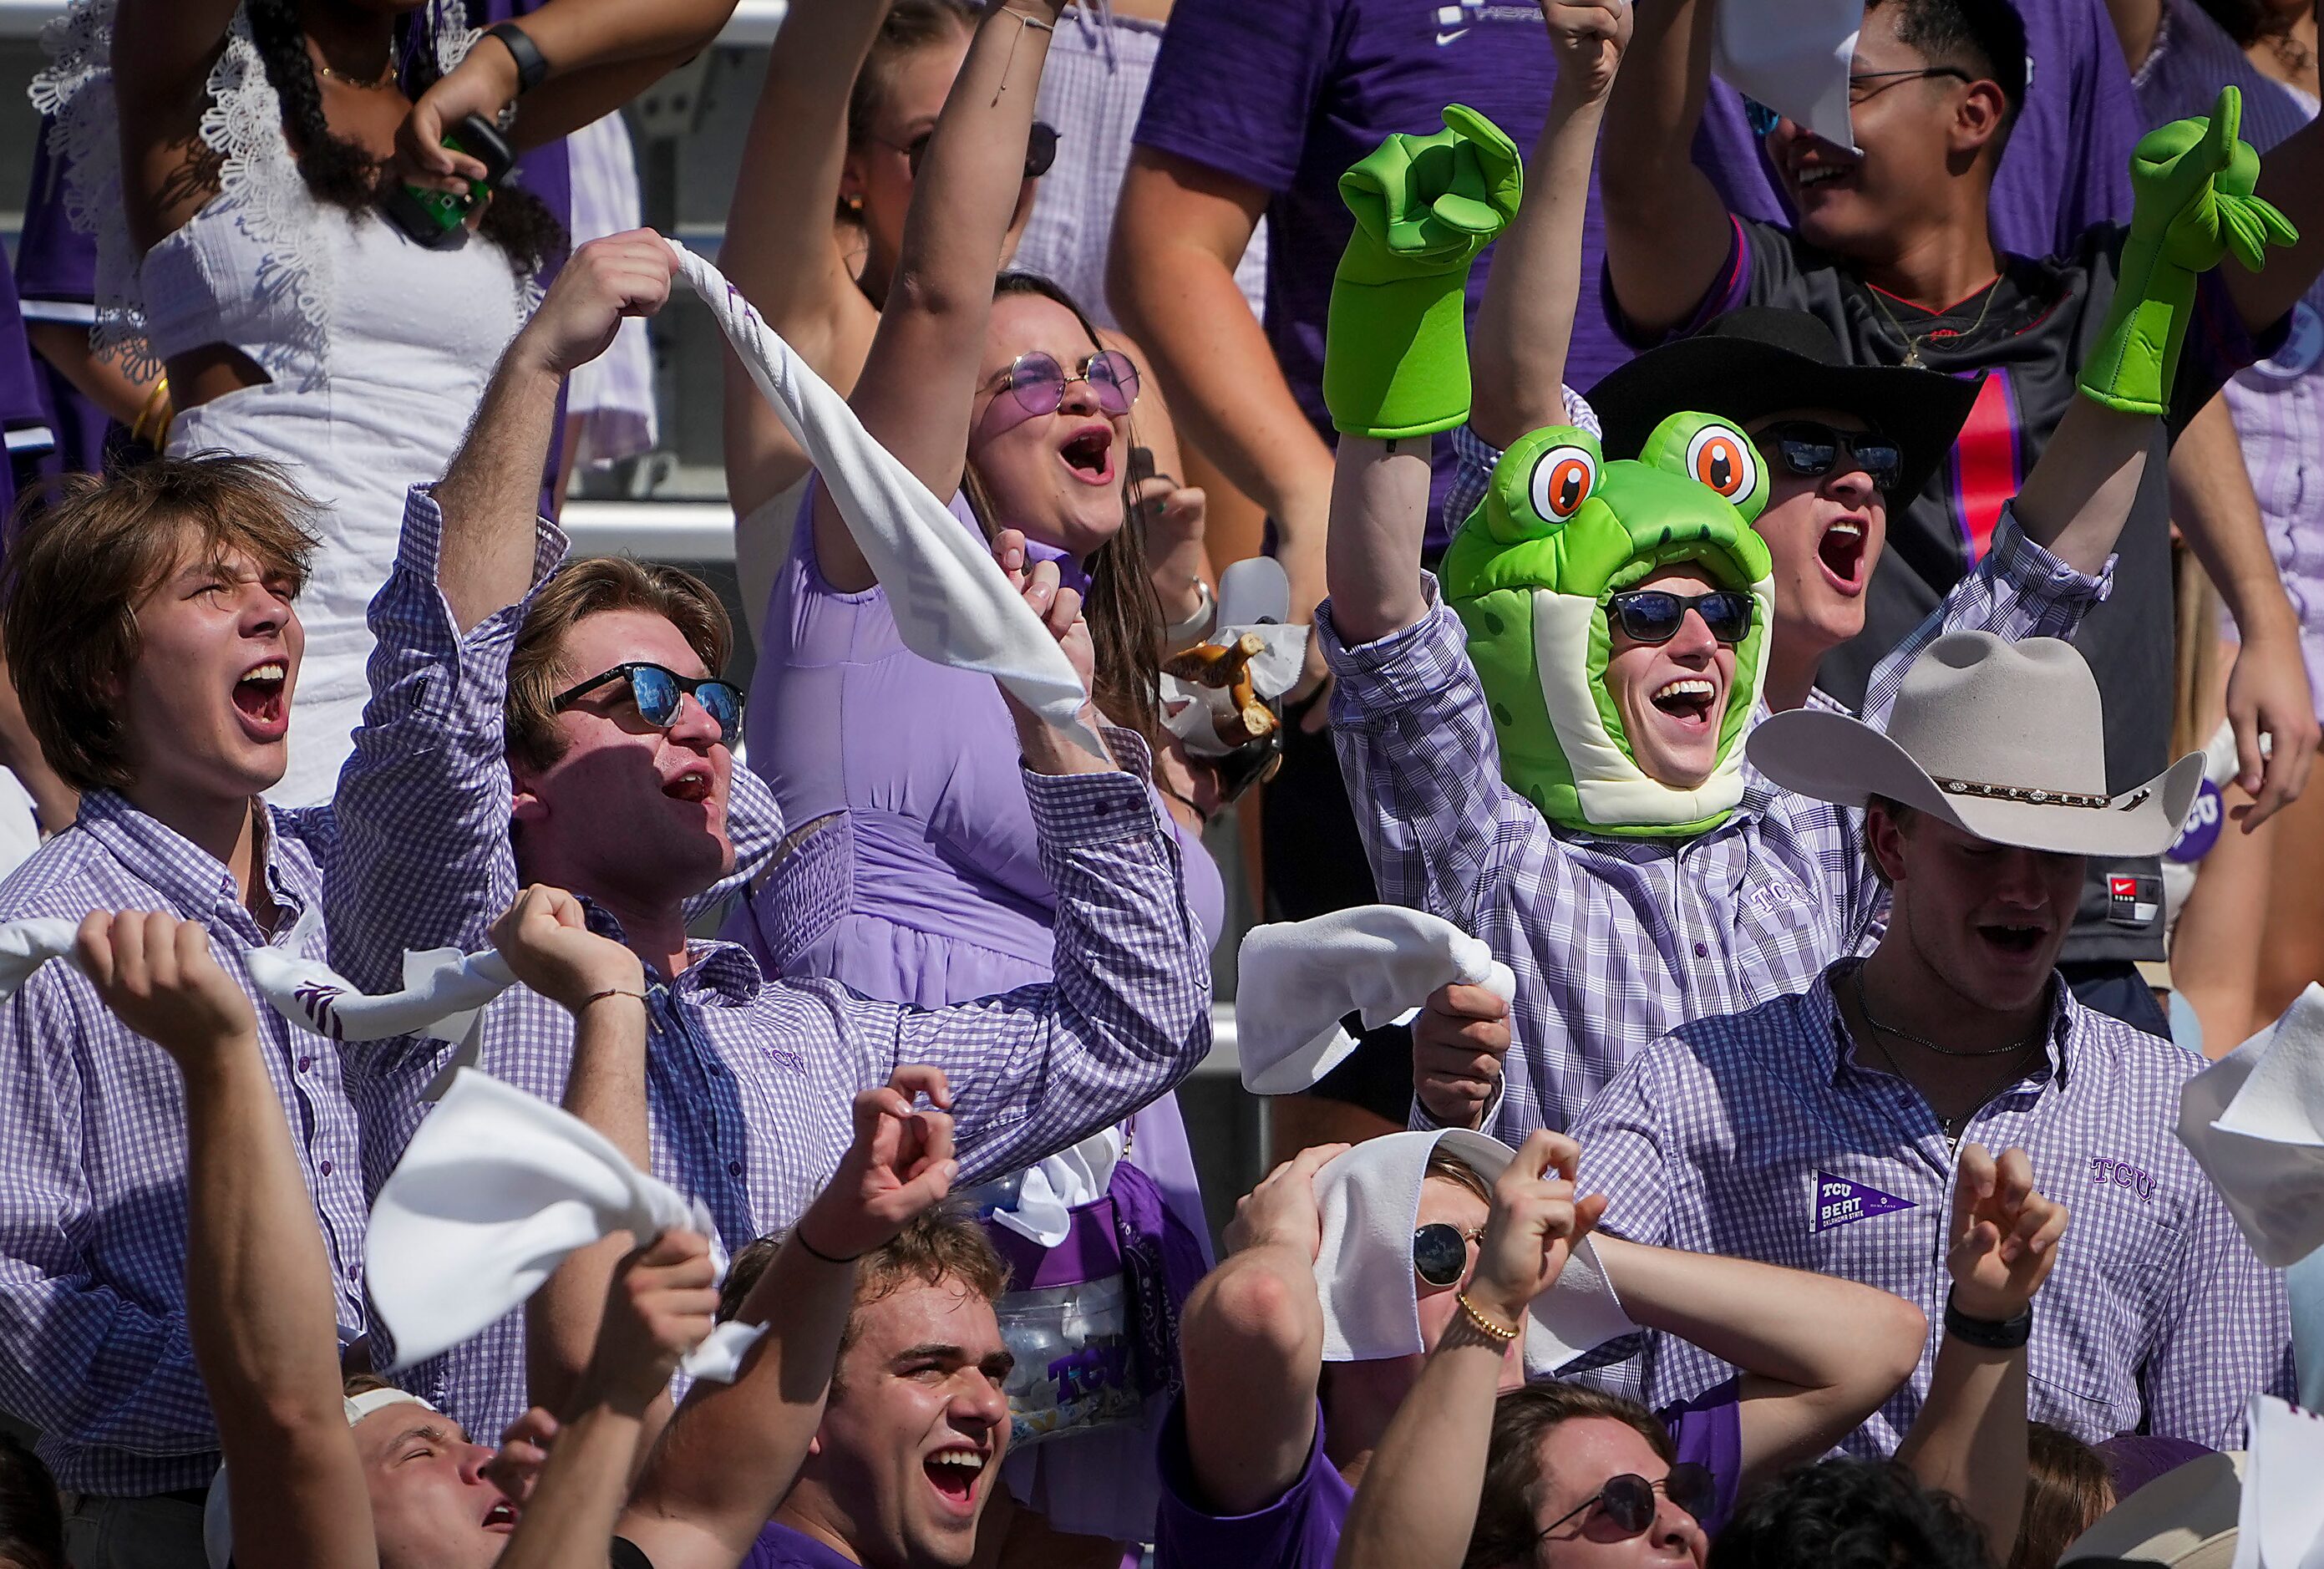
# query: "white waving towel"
1370,1202
2281,1525
493,1192
1294,979
951,602
26,945
443,988
1792,56
2254,1121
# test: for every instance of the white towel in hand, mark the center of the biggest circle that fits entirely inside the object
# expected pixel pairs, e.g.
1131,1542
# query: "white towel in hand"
951,602
2254,1121
26,945
443,988
1294,979
1369,1199
493,1192
1792,56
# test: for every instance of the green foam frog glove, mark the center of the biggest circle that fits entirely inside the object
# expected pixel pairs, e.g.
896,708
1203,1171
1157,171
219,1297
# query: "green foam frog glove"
2193,204
1397,352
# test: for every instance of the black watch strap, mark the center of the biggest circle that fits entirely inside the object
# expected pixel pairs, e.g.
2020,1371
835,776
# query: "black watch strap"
1992,1334
531,65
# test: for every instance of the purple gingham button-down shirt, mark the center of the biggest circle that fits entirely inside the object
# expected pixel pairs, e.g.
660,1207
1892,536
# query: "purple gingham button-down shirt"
93,1346
749,1082
1757,1136
1615,940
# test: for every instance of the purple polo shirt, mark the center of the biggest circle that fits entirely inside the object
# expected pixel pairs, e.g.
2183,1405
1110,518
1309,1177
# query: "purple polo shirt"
1301,1528
2068,163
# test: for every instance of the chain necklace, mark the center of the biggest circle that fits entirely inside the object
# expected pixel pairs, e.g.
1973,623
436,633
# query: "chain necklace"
1952,1125
1913,345
1856,979
386,75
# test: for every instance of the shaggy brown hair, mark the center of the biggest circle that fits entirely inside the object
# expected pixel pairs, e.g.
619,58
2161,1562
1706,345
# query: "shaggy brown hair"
82,565
1506,1531
537,670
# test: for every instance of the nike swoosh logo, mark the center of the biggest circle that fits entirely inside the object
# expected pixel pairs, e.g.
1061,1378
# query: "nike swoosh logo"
1444,38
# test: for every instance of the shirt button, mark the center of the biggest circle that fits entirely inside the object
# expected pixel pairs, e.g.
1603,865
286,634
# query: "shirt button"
716,1069
305,1063
325,1169
1702,950
734,1168
355,1272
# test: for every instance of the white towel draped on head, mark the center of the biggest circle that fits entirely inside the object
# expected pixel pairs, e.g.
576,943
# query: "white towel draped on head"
495,1190
951,602
2255,1121
1294,981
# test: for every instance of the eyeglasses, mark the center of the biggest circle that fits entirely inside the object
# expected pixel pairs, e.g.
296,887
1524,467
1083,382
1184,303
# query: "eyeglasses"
1038,381
1627,1501
1811,450
1440,1252
1040,148
1856,94
658,694
1654,616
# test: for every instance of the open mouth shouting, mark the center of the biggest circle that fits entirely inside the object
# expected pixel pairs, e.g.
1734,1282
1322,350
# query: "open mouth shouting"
2014,940
695,783
501,1518
1088,454
1691,700
261,698
1840,553
955,1471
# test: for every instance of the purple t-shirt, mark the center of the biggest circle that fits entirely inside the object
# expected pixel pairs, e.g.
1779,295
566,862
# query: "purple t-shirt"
1301,1529
2066,169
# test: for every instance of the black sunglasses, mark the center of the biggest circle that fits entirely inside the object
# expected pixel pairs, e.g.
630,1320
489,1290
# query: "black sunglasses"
1627,1502
1440,1252
658,692
1811,450
1654,616
1040,148
1892,78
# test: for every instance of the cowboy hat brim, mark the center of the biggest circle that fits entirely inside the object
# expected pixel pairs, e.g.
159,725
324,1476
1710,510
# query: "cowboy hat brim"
1740,379
1834,757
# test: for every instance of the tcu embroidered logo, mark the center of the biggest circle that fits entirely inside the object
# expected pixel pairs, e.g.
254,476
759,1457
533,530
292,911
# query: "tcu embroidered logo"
1771,900
1839,1202
2123,1174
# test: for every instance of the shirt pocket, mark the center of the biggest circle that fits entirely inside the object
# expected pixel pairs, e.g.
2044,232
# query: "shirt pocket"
2096,1318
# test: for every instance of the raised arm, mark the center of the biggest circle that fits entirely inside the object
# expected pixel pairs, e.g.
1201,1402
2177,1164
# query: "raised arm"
1417,1504
1969,1437
160,89
1525,325
781,249
734,1449
921,376
1818,1354
259,1305
1668,231
1250,1338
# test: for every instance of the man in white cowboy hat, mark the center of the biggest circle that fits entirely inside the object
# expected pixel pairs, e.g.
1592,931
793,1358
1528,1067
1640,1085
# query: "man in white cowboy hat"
1820,1131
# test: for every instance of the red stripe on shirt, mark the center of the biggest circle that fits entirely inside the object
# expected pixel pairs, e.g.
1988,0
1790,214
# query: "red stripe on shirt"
1984,465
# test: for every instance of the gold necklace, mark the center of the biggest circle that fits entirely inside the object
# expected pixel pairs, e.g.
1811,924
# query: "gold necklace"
1952,1126
1913,345
386,75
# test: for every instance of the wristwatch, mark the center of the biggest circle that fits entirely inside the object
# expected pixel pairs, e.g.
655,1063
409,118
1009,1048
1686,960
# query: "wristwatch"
531,65
1992,1334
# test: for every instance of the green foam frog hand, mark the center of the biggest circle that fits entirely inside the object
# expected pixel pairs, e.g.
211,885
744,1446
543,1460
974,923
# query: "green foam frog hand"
1561,531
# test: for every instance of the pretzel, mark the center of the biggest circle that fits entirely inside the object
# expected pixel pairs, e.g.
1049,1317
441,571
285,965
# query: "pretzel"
1227,666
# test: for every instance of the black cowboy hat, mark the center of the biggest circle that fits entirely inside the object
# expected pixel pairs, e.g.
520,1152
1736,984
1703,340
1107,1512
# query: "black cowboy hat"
1760,361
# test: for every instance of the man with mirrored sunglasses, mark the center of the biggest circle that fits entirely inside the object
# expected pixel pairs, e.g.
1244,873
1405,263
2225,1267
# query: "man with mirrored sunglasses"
540,719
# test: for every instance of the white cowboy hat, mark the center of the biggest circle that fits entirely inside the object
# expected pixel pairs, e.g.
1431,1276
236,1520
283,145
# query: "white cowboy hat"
2004,741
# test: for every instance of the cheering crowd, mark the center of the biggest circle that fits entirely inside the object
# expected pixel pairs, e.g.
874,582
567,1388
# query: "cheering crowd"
1754,600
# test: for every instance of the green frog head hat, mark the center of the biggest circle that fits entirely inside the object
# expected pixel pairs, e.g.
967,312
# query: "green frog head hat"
1543,575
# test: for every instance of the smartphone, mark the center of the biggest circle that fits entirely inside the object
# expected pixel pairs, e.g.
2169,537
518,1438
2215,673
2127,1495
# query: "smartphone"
433,217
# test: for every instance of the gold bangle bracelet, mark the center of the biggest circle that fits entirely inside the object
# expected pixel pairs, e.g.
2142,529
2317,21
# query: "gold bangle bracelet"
594,997
156,400
1499,1332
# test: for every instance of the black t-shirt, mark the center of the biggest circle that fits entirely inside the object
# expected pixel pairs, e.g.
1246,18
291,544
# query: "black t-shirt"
2030,332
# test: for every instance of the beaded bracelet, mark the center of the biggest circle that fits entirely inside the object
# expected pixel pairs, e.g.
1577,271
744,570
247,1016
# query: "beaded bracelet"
1470,1310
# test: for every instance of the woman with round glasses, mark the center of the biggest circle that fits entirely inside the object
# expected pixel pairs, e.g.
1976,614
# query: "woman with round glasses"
915,876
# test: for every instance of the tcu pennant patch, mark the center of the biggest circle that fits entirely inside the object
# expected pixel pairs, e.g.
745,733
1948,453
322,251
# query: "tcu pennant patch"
1839,1202
2133,900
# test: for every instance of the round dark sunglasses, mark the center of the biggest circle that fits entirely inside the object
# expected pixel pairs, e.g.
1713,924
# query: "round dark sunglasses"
1654,616
1812,450
1440,1252
1626,1502
1040,149
1039,383
658,692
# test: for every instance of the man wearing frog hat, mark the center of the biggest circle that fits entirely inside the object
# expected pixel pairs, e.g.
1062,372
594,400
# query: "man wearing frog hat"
1546,748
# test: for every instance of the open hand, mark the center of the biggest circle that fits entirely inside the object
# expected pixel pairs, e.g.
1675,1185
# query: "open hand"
1536,1221
1282,1210
664,1302
545,937
1589,37
901,1163
2002,1238
606,282
1458,1043
157,974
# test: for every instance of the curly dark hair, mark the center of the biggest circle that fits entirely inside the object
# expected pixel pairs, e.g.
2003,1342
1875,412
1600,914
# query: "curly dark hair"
1986,38
1849,1514
338,171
